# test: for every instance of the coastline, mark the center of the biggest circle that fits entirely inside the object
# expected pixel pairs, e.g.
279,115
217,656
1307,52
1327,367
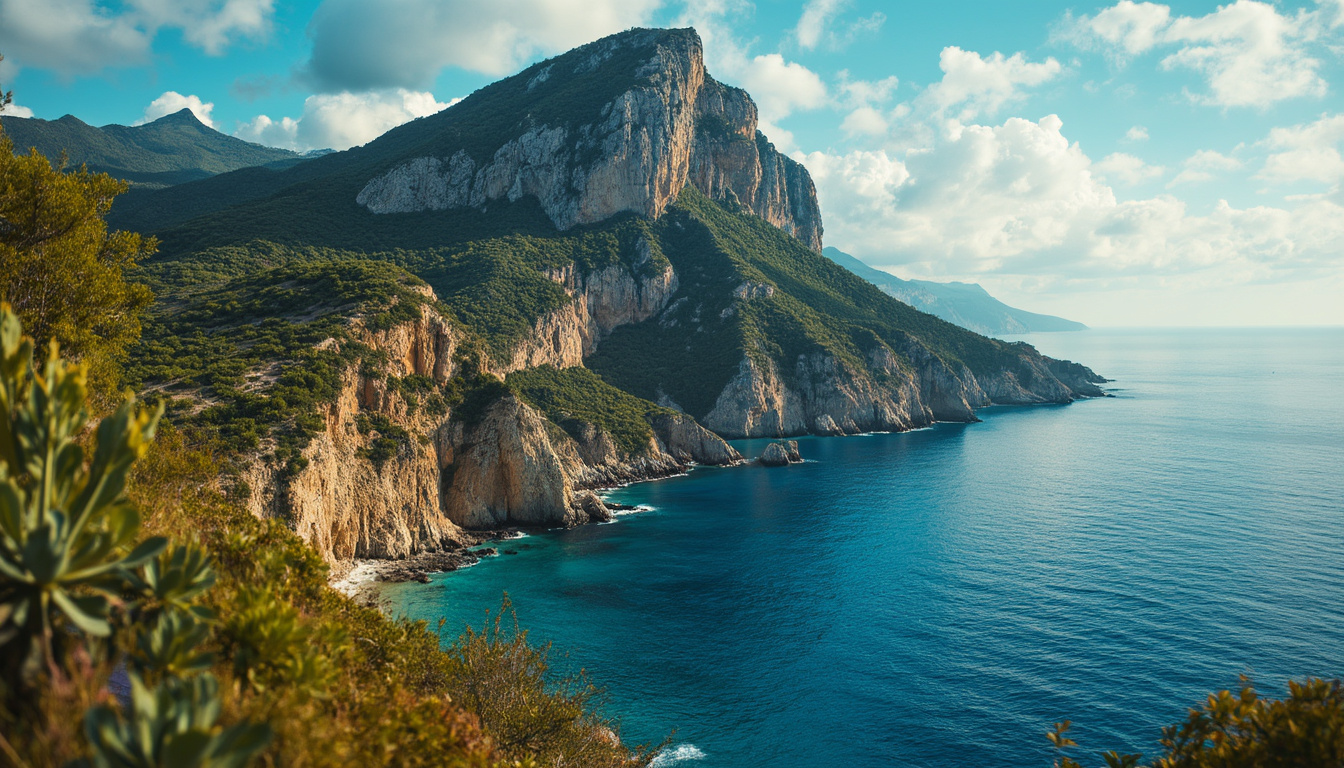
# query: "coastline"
361,579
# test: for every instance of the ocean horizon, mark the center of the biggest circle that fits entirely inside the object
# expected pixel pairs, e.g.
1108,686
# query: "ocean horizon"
941,596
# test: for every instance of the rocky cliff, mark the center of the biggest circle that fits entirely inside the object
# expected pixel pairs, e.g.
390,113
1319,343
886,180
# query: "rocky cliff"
600,302
827,396
671,126
447,473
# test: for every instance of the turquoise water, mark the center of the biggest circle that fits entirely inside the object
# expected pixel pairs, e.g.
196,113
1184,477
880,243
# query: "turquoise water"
939,597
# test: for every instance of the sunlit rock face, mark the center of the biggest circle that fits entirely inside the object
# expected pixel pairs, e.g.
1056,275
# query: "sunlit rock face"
674,126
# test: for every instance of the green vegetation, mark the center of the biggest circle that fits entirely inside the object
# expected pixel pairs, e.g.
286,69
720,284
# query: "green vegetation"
236,645
573,397
693,350
1243,730
60,267
171,150
69,556
263,352
490,277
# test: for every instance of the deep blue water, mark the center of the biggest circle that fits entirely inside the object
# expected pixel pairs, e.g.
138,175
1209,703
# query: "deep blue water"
939,597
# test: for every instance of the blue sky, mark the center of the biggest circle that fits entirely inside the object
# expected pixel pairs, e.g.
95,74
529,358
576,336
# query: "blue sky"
1121,164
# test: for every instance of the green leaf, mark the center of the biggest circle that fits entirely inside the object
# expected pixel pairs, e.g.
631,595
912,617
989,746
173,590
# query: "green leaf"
88,612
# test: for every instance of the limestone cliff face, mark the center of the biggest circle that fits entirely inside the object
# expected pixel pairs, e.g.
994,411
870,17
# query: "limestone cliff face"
600,302
510,467
342,503
827,396
674,126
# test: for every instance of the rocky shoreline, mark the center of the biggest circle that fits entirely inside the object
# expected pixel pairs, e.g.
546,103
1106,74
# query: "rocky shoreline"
360,579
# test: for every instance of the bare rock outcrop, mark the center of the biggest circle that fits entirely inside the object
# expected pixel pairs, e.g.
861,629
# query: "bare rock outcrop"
828,396
600,302
505,471
674,126
780,454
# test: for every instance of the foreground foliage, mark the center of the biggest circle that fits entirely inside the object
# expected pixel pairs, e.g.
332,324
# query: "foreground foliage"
236,650
1244,730
62,269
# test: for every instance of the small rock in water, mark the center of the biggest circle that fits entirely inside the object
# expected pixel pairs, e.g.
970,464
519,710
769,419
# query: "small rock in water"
593,507
781,453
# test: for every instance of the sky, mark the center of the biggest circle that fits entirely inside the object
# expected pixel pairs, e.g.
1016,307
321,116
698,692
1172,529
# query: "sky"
1119,164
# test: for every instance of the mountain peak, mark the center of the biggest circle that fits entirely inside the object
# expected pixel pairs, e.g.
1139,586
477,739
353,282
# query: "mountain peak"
621,124
183,116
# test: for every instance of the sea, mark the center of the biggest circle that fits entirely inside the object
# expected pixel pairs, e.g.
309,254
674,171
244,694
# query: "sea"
941,597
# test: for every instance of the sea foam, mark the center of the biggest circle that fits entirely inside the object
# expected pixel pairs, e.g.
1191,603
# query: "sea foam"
681,753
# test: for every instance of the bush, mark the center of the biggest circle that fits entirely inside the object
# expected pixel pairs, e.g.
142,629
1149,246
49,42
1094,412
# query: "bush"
1243,730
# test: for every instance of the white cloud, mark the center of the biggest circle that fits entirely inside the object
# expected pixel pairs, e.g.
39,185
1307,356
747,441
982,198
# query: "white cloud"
1127,169
1249,53
816,15
172,102
1136,133
359,45
856,93
14,110
73,37
1019,199
211,25
865,121
781,87
1127,28
70,36
1204,165
973,85
1309,152
342,120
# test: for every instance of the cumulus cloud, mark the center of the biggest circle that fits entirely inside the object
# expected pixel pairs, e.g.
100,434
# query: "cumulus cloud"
1019,199
973,85
359,45
1127,169
70,36
862,93
1204,165
74,37
1309,152
172,102
1249,53
1136,133
342,120
15,110
211,25
781,87
1125,29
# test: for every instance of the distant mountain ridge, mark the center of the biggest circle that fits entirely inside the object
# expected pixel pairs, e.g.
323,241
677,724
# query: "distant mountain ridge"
172,150
966,304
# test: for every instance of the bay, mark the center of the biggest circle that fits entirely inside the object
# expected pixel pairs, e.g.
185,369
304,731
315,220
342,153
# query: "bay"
939,597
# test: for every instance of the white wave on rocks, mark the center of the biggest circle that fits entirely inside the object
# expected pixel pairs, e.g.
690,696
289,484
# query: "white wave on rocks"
676,755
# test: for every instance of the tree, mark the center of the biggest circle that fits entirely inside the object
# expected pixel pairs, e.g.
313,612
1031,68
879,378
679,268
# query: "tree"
61,269
6,97
1243,730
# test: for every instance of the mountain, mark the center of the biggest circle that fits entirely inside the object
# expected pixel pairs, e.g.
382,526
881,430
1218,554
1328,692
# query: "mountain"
966,304
588,273
174,149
